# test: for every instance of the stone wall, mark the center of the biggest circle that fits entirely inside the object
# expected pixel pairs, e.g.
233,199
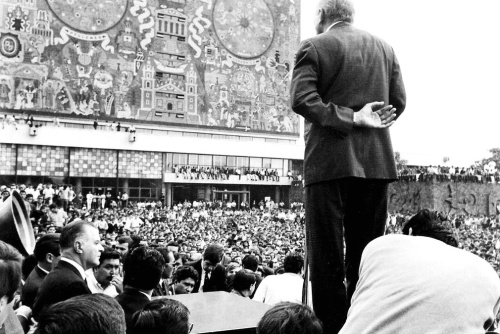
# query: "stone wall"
450,197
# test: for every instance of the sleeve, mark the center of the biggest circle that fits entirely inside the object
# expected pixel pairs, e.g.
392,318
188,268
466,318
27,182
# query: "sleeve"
306,100
397,92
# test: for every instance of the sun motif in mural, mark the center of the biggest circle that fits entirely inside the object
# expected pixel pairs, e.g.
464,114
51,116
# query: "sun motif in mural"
89,16
245,29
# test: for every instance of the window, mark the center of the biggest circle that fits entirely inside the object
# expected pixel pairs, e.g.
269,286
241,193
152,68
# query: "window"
179,159
193,159
255,163
205,160
219,160
170,106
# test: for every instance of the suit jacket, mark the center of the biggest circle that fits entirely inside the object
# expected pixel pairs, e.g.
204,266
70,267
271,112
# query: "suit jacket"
32,285
336,73
217,281
62,283
131,300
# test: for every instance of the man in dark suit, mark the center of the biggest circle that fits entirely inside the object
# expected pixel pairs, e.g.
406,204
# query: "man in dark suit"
211,274
349,159
47,254
80,250
142,271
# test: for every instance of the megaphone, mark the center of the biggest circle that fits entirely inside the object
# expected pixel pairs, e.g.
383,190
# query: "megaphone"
15,224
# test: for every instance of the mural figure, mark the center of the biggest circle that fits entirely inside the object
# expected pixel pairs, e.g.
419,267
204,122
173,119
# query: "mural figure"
218,63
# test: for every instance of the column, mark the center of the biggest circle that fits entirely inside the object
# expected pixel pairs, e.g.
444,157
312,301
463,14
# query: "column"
168,194
245,197
124,186
208,192
77,181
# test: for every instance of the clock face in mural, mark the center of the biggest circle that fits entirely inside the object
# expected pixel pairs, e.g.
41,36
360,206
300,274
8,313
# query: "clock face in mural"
90,16
245,28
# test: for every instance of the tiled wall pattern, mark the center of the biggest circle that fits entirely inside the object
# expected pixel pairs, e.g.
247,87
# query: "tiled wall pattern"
7,159
144,165
91,162
42,161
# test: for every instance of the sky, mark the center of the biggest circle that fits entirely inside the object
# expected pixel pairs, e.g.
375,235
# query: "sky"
449,53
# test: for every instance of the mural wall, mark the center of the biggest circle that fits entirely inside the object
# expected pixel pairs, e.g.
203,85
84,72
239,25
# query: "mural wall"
203,62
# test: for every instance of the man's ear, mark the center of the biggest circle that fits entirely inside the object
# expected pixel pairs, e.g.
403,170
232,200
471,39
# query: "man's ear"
78,246
49,257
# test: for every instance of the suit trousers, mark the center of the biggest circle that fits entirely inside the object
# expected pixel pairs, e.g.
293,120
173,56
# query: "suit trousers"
350,208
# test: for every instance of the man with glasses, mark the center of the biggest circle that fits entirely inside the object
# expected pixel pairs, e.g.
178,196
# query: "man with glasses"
211,274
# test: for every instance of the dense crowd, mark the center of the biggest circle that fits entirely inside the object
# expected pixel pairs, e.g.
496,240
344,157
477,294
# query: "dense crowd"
265,234
479,235
476,173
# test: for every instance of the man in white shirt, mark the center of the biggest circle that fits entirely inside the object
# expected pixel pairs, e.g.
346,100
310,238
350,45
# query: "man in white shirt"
421,283
80,245
105,278
286,287
48,193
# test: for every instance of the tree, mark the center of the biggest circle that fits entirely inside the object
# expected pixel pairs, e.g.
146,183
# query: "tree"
495,156
400,163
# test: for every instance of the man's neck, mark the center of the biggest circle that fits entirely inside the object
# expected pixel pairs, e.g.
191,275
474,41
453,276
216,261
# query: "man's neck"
45,266
73,257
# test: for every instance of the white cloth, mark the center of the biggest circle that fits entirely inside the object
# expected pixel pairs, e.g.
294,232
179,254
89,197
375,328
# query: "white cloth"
274,289
417,285
95,287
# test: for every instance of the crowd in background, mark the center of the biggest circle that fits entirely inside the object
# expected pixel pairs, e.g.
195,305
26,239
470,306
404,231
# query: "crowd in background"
269,231
481,174
266,228
478,234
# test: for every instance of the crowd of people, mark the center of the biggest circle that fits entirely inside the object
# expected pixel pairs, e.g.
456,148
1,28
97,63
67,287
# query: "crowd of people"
476,173
216,173
239,247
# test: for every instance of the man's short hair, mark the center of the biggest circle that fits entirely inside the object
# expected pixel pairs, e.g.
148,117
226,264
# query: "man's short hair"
243,280
125,240
213,253
10,269
159,315
427,224
250,262
92,313
52,206
293,263
184,272
342,10
49,243
109,253
143,268
71,232
289,318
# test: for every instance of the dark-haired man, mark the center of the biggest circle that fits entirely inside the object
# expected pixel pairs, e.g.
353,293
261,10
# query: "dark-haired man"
80,250
184,280
106,276
142,271
96,314
47,254
286,287
123,244
422,283
212,275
